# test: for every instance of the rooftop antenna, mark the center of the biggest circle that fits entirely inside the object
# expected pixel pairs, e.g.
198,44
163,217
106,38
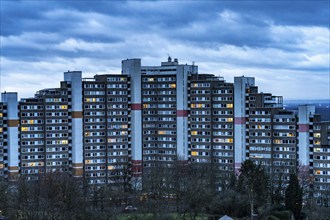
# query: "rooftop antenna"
193,67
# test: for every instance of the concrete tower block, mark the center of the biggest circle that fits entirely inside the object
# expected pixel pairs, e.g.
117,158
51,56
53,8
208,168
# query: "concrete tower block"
182,110
10,98
132,67
240,86
74,78
304,113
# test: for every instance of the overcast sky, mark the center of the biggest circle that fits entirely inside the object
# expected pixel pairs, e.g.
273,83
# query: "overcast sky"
283,44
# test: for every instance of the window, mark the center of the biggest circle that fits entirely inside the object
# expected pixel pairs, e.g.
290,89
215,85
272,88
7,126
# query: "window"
194,153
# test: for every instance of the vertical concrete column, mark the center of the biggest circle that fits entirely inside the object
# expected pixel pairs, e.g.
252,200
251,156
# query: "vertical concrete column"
74,77
10,98
182,111
132,67
304,113
240,85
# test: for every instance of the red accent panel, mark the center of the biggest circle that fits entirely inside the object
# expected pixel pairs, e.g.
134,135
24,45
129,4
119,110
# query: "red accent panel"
182,113
240,120
136,106
303,128
136,168
138,162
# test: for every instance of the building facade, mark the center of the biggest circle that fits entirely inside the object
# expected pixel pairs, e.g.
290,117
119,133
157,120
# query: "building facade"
110,129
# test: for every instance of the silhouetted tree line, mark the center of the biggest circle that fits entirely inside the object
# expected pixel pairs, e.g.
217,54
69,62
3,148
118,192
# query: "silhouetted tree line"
181,191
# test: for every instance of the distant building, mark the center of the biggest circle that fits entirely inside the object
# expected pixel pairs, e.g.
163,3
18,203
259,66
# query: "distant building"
112,128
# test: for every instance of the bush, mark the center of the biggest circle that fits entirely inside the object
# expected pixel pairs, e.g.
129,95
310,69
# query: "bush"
272,218
280,215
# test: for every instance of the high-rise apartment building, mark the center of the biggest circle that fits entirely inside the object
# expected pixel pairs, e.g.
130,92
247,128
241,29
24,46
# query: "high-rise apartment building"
110,129
211,121
106,128
45,133
315,135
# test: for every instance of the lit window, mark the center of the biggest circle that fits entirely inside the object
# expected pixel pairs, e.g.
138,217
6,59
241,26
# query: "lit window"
88,161
277,141
317,135
0,114
0,130
173,86
229,105
64,141
87,134
317,172
230,119
317,142
90,99
317,149
193,132
161,132
111,140
193,105
111,167
145,106
64,107
151,79
291,135
230,140
25,128
194,153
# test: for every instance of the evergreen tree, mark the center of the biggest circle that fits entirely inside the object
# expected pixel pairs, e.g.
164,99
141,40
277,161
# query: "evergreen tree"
293,196
254,182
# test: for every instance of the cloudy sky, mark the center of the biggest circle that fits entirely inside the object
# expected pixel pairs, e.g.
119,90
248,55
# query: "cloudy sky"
284,44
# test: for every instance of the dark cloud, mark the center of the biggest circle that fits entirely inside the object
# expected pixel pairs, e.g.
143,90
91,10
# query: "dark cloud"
174,19
278,35
296,12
